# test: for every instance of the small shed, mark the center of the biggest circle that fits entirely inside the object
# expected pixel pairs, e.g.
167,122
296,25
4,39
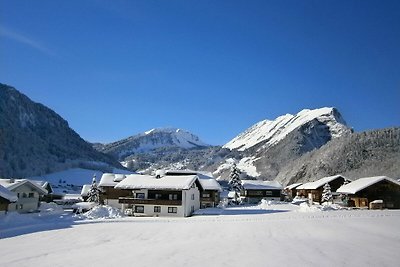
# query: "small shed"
362,192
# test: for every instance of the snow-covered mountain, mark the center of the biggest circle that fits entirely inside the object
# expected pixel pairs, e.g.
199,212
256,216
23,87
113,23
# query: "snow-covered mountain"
270,132
151,140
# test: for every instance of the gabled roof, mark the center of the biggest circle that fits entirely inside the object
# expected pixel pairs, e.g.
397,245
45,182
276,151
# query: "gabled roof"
363,183
293,186
7,194
209,183
260,185
137,181
12,184
107,179
320,182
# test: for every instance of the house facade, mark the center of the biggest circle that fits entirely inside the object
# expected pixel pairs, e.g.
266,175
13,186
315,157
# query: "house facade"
313,190
255,190
363,191
210,195
29,193
176,196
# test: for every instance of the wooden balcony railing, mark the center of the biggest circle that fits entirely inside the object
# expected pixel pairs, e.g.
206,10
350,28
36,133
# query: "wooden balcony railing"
138,201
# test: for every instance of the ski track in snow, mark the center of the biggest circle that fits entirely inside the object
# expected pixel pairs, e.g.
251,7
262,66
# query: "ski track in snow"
247,236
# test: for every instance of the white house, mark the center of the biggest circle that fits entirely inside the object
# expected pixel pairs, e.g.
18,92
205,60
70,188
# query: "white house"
28,193
210,195
165,196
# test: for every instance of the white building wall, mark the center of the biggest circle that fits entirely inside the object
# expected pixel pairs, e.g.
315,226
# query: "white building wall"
27,203
191,201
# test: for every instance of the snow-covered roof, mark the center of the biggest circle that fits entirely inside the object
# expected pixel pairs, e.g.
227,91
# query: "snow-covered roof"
85,189
7,194
260,185
11,184
363,183
107,179
209,183
119,177
293,186
320,182
137,181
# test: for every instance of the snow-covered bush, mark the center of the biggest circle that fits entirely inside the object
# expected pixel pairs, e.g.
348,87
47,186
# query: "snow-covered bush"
103,212
327,194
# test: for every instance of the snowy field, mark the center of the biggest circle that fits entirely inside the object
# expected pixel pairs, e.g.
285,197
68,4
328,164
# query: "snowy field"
275,235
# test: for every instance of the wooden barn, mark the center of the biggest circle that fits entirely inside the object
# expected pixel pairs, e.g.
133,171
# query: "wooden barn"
363,191
313,190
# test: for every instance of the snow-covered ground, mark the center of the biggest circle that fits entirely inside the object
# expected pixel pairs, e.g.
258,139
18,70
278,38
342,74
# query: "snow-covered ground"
265,235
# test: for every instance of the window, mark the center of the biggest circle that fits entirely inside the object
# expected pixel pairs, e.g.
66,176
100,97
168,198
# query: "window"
157,196
31,195
192,209
140,195
268,193
24,195
157,209
21,206
206,195
139,209
18,195
192,196
173,196
172,210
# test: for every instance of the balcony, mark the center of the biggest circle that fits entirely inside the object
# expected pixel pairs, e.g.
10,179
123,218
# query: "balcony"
140,201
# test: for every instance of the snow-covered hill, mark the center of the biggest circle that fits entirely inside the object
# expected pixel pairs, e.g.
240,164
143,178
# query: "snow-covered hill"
151,140
271,132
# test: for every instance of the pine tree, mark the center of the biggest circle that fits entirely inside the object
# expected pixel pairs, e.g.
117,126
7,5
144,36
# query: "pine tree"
327,194
94,192
235,184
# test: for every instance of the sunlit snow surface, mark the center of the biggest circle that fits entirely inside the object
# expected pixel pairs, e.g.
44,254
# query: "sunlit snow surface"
265,235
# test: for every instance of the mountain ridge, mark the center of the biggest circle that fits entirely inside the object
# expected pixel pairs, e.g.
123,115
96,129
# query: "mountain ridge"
35,140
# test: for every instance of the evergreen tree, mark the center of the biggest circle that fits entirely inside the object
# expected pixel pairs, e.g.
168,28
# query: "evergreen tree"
327,194
94,192
235,184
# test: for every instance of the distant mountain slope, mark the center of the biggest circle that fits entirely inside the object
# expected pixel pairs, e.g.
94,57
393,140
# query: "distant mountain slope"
159,138
328,123
35,140
357,155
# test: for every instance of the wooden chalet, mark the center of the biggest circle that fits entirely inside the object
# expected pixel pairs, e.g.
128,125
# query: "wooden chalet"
363,191
6,197
313,190
255,190
291,190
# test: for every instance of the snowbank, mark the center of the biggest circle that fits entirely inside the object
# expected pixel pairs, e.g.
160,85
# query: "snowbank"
103,212
50,208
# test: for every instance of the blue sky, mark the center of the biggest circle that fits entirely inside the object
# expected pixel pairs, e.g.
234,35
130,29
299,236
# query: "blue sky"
116,68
